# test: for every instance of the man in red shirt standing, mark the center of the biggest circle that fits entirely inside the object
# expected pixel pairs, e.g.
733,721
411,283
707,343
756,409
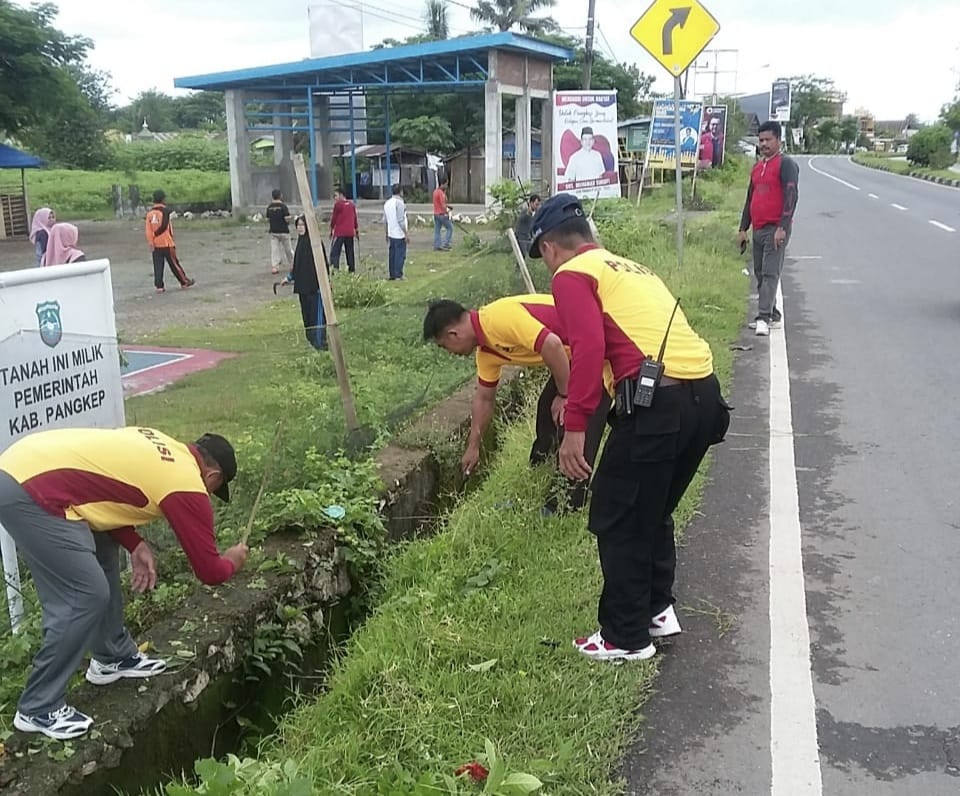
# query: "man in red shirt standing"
441,218
771,203
344,227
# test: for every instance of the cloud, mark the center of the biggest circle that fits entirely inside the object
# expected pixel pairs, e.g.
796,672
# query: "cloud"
891,57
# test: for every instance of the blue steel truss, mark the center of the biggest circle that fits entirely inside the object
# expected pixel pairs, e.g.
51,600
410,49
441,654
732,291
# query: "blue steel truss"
454,65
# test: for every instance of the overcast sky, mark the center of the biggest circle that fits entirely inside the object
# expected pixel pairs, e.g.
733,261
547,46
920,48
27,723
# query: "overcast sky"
891,57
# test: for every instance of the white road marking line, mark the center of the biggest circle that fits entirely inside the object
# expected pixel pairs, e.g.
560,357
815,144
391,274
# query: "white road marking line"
942,226
873,196
805,257
835,179
899,207
915,179
845,282
794,750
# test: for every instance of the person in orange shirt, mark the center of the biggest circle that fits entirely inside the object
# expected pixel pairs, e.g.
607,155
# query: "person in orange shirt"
441,218
159,231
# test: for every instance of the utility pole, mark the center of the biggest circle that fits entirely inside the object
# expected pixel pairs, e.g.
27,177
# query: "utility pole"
588,59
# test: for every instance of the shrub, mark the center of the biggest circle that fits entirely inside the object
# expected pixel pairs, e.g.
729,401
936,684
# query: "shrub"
508,195
185,152
931,147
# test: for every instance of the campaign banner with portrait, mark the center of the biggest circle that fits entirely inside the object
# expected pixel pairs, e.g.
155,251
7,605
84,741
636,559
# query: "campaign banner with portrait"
713,137
662,152
585,146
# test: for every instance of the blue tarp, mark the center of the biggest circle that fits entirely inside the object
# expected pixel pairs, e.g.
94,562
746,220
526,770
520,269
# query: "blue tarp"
11,158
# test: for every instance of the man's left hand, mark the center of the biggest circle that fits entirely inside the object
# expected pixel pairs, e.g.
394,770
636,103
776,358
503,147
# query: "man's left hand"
572,462
144,576
779,237
556,410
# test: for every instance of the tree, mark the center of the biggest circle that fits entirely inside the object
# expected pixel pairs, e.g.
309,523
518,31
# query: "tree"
827,135
438,25
508,14
632,85
429,133
931,147
158,109
849,130
811,101
32,53
950,113
201,109
912,122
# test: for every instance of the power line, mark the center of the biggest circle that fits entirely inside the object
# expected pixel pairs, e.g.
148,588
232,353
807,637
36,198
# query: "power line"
607,43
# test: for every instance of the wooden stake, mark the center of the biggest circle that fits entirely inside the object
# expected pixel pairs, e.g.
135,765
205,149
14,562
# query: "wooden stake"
263,482
521,261
333,329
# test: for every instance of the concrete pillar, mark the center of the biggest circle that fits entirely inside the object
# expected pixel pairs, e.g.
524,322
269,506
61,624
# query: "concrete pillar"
524,155
323,149
548,167
283,154
238,140
493,138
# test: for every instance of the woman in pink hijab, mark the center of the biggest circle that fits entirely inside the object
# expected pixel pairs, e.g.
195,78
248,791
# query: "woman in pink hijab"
62,246
43,220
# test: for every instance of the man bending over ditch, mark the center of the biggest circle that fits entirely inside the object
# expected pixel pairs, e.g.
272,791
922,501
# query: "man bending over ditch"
68,498
522,331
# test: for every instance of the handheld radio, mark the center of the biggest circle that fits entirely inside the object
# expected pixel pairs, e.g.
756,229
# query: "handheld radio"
651,371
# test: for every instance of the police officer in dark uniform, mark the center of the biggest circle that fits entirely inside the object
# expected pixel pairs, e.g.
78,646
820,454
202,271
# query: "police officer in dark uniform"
619,310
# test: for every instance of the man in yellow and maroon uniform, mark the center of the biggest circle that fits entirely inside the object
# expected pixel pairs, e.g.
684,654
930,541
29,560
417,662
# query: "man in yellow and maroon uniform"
619,311
516,330
68,498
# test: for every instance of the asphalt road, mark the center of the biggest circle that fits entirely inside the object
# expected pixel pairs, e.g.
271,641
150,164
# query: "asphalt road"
872,306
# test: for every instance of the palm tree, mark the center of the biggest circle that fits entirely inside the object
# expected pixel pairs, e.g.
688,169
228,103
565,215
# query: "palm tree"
438,25
507,14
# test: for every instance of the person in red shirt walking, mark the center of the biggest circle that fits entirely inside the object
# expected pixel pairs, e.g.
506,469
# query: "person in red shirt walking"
771,202
441,218
344,228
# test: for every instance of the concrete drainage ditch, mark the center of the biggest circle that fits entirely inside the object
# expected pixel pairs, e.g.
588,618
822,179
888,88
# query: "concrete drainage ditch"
149,731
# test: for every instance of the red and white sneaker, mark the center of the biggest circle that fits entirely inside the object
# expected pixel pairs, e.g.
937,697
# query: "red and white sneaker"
598,649
665,624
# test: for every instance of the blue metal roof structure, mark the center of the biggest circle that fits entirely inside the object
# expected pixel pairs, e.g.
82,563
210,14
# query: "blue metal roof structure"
11,158
449,65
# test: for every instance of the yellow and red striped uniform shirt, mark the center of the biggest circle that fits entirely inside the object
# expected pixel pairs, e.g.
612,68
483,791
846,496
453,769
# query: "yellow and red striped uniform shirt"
617,310
116,479
512,331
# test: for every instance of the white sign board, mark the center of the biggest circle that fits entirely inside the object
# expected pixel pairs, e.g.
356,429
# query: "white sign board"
585,145
780,101
59,359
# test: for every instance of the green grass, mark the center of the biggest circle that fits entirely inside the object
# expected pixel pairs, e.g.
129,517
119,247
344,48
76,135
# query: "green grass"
887,162
88,194
471,638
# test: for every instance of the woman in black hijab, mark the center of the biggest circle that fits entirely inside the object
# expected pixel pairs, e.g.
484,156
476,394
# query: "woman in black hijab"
307,286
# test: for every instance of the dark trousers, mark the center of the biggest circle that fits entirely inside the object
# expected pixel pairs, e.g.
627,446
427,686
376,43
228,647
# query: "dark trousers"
346,244
167,256
549,437
646,466
314,320
398,256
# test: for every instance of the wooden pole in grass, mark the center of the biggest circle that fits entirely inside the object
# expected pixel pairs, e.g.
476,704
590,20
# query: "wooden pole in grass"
330,312
521,261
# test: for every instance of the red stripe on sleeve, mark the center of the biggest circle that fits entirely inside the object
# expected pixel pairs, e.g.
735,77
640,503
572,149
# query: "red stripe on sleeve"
128,537
578,307
485,383
191,517
541,339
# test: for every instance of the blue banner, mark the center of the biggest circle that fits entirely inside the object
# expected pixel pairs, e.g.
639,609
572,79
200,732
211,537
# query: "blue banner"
661,151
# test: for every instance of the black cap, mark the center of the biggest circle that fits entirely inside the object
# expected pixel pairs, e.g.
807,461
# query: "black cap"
221,451
586,131
550,215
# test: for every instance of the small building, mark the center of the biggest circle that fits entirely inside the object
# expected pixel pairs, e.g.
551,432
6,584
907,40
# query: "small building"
467,172
14,206
405,165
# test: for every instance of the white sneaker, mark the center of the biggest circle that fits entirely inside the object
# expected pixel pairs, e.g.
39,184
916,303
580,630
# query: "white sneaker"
138,666
598,649
762,328
774,324
62,724
665,624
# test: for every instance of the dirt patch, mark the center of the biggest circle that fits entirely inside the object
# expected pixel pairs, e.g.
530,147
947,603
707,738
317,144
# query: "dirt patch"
230,262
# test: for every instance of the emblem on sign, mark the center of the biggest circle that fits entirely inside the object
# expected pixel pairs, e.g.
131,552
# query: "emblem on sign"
48,318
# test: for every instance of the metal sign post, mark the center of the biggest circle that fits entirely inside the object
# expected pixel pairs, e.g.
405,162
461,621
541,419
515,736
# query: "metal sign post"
676,135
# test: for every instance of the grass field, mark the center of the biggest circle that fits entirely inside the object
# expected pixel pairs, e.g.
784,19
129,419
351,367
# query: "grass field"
88,194
888,163
470,641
